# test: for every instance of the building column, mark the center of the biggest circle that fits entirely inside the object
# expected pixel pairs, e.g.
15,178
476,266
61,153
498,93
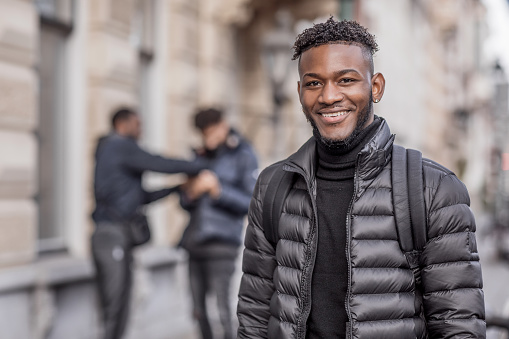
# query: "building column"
18,119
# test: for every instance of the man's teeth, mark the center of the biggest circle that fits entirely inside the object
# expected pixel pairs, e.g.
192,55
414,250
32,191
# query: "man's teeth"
332,115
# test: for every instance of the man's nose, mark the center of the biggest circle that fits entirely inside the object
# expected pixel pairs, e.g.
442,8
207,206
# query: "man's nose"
330,94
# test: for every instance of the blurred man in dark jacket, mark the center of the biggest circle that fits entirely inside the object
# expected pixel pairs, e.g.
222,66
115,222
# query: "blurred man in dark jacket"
120,164
217,201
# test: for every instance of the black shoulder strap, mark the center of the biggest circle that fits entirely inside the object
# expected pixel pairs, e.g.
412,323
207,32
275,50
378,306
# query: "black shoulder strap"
275,196
416,198
400,198
408,198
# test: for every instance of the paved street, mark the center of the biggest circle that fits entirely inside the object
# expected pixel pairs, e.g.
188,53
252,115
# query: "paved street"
496,279
187,329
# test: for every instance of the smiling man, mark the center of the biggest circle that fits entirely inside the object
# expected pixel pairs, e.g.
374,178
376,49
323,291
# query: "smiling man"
336,269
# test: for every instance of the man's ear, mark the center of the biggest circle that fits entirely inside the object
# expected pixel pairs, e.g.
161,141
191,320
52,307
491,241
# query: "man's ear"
377,86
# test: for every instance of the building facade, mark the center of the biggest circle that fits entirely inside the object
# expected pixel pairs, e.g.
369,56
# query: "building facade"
439,88
66,65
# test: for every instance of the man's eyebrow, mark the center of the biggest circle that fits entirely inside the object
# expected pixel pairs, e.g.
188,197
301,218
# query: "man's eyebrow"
312,75
337,73
346,71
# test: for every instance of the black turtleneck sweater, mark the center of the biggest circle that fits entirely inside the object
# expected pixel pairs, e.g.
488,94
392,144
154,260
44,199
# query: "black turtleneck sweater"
335,188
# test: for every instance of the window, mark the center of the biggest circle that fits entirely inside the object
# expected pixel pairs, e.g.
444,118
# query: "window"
57,12
142,38
55,27
143,26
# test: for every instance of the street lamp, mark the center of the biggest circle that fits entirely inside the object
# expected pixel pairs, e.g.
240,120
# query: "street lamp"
501,142
501,118
276,53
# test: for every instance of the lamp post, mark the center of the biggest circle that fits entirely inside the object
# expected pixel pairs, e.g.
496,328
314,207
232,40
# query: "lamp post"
501,119
276,54
501,141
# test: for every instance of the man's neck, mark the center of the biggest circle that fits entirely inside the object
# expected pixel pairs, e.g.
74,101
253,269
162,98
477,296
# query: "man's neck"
339,148
124,135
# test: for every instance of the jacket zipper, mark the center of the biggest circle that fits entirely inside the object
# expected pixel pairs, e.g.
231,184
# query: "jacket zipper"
348,254
305,283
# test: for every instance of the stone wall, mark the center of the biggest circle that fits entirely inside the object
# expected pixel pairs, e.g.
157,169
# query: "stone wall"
54,295
18,119
437,83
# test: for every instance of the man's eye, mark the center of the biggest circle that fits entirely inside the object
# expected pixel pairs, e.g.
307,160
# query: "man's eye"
312,83
346,80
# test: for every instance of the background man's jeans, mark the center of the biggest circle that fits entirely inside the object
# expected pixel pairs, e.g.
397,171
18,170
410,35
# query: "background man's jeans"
112,254
212,275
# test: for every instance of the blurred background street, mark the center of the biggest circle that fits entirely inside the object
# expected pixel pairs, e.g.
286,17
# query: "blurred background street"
66,65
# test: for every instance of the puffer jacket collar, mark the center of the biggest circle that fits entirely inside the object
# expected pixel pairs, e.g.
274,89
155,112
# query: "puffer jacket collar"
370,161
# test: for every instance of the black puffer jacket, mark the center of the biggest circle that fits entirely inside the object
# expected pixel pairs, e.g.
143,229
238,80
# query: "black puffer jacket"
275,294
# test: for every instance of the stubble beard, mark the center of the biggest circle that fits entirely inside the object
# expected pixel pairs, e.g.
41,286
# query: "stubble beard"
364,115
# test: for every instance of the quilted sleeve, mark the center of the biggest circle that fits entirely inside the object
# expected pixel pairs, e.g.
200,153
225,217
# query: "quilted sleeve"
451,275
235,197
258,265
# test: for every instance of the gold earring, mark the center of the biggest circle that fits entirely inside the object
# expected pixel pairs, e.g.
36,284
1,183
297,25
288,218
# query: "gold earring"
377,101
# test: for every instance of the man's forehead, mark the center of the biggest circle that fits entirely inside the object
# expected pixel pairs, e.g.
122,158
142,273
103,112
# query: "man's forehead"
339,42
348,51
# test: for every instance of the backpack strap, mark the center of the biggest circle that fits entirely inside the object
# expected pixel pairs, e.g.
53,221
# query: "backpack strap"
416,199
278,189
408,198
400,198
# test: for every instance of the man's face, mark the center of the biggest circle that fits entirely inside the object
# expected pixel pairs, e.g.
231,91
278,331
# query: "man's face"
215,135
133,126
336,89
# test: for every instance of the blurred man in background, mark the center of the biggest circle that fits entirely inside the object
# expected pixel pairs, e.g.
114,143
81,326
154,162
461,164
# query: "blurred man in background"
120,164
339,270
217,201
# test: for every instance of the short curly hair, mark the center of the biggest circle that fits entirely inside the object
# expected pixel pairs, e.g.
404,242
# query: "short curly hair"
332,31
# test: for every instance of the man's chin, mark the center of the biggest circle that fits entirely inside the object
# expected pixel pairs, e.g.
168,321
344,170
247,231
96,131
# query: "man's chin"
333,138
